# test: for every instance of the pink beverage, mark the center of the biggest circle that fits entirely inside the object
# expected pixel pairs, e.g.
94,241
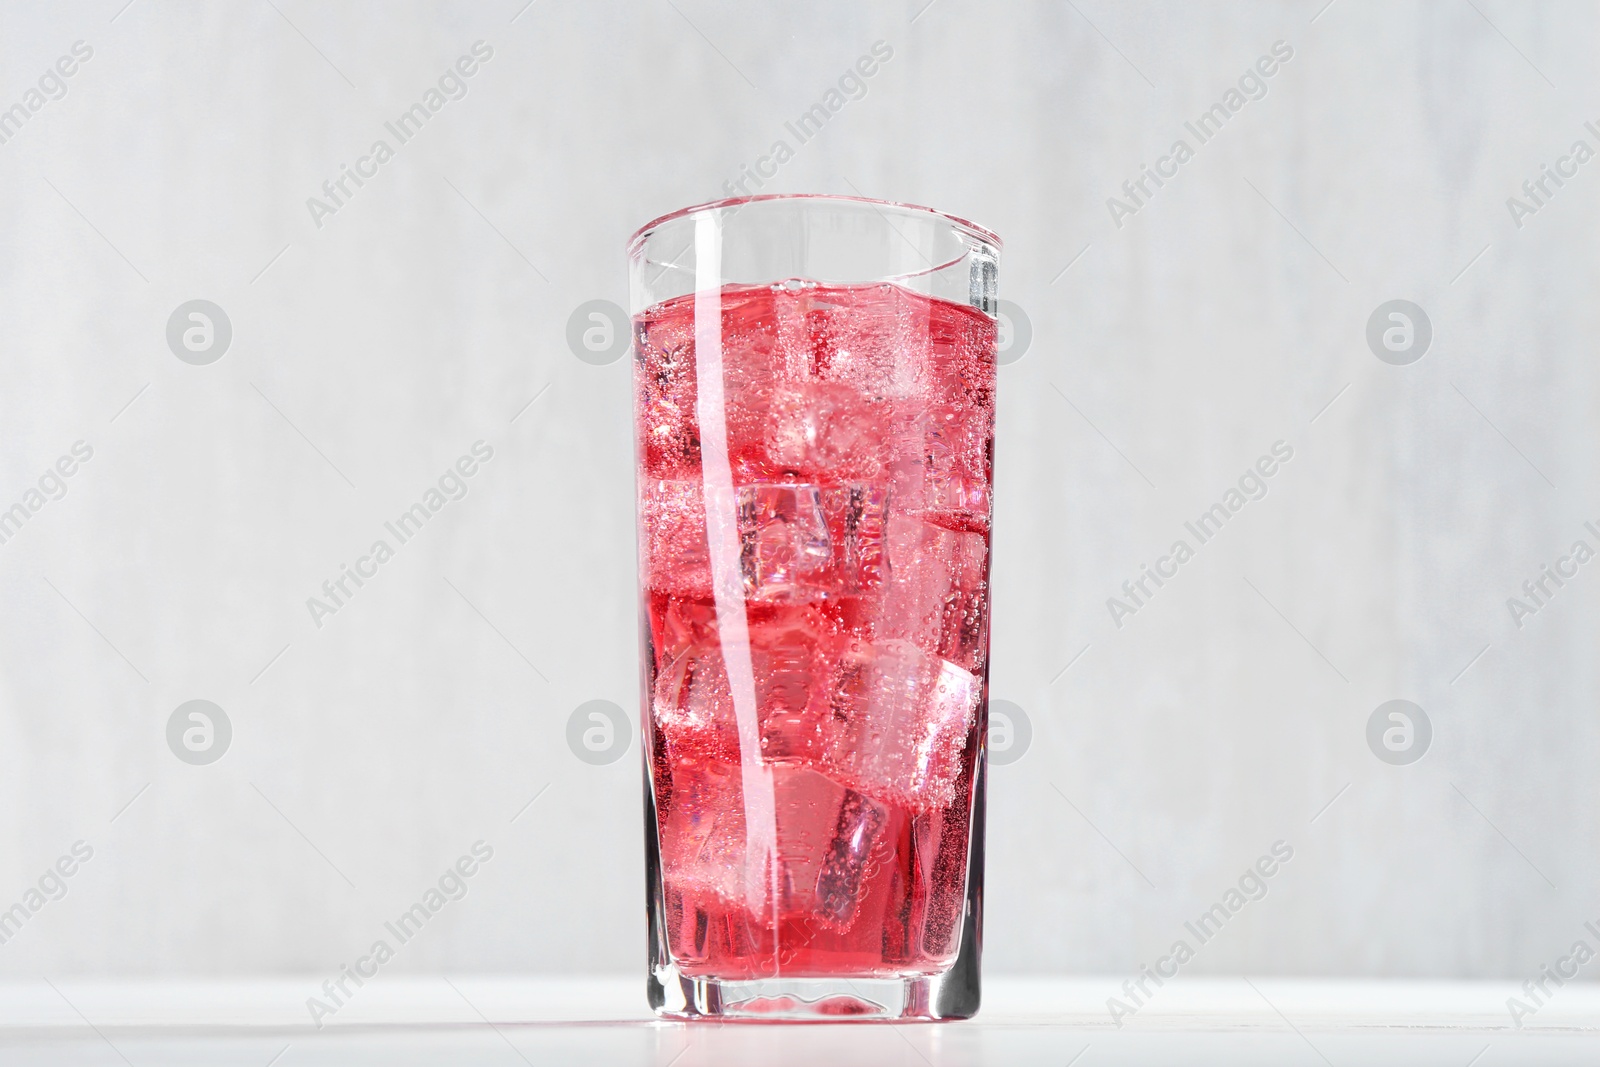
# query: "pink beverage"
814,472
815,386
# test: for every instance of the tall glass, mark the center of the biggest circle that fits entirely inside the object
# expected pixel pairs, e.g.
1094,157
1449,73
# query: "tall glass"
814,400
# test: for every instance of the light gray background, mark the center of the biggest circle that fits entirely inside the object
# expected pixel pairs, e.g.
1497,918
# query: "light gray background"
370,353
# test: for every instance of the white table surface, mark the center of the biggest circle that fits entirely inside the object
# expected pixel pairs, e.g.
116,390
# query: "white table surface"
463,1019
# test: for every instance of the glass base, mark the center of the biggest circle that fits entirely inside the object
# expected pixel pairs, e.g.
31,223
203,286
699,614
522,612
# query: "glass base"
954,994
918,997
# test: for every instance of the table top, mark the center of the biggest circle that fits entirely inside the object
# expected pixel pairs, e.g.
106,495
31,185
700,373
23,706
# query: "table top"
460,1019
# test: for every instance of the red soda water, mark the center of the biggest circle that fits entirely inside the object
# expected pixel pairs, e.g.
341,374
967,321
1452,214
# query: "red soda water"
851,628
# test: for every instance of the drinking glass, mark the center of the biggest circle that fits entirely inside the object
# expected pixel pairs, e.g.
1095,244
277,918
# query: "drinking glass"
814,385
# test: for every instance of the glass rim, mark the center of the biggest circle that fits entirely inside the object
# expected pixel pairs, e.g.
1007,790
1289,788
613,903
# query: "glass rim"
643,232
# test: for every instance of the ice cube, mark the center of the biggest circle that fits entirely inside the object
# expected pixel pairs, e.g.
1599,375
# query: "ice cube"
945,477
755,364
955,490
678,623
871,341
669,436
900,722
693,707
825,837
672,525
828,431
702,837
784,550
936,593
856,516
785,553
942,840
790,659
848,856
